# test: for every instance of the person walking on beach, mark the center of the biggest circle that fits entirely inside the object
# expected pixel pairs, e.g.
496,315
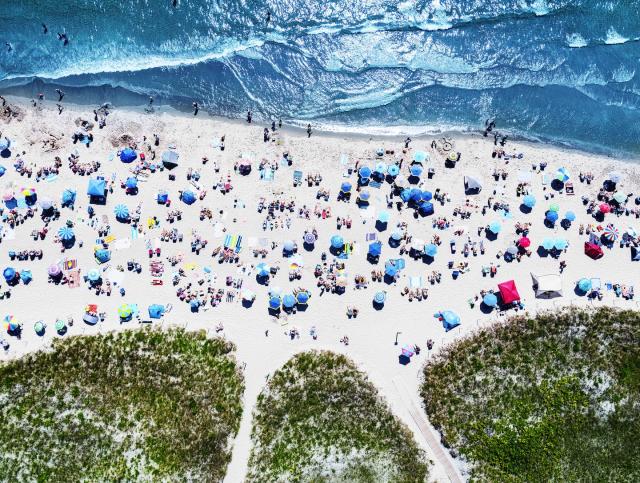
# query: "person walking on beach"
279,123
196,108
273,126
249,117
407,142
60,94
60,108
308,130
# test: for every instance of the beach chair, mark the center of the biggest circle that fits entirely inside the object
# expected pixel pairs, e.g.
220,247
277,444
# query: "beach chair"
297,178
568,188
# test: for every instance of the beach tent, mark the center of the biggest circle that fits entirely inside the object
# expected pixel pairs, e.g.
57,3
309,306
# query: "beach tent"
508,292
375,249
102,255
156,311
472,186
128,155
450,320
170,159
162,197
68,197
9,274
97,187
131,183
592,250
547,286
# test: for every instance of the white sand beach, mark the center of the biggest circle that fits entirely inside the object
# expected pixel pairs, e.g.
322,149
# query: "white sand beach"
265,341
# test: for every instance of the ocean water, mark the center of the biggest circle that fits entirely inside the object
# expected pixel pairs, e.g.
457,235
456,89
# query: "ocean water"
556,70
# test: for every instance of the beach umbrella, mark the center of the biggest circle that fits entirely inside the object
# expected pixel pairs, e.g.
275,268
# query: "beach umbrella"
426,196
288,245
46,203
390,269
401,181
170,159
337,241
68,196
512,250
529,201
570,216
615,176
309,238
121,211
562,175
430,250
275,291
124,311
584,284
450,319
3,170
551,216
4,143
554,207
93,275
11,324
560,244
162,197
375,249
426,208
60,325
345,187
8,195
274,302
365,172
605,208
38,327
420,156
102,255
383,216
405,195
9,274
128,155
416,195
54,270
288,301
393,170
263,270
188,197
416,170
495,227
131,183
65,233
303,297
396,235
156,311
381,167
524,242
548,243
380,297
490,300
248,295
611,233
620,197
26,276
407,351
364,195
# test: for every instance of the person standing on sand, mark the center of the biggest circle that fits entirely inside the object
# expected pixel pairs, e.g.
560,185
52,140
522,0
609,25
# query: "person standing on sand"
273,126
196,108
407,142
60,108
308,130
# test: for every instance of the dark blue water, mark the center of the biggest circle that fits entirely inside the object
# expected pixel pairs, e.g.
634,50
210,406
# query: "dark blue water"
551,69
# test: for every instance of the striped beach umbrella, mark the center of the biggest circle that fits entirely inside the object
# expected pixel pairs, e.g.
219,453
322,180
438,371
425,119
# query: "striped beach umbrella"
611,233
121,211
263,270
309,238
66,233
380,297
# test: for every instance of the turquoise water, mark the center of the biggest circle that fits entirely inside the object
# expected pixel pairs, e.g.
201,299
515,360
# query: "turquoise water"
558,70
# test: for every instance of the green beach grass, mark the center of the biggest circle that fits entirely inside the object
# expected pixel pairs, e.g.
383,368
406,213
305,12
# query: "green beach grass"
320,419
552,398
140,405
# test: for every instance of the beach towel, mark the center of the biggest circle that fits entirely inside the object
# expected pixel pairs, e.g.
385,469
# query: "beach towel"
122,244
371,237
73,279
134,233
415,282
70,264
51,178
267,174
239,244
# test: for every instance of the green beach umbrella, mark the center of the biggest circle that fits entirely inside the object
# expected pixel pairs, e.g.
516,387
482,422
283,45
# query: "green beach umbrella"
59,325
38,327
554,207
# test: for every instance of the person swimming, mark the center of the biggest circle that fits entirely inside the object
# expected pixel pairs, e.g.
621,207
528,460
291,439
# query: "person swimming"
268,17
45,29
65,39
9,46
174,3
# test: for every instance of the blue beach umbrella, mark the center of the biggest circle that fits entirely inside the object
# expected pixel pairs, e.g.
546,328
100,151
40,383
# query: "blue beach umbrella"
2,170
560,244
288,301
365,172
390,269
381,167
121,211
379,297
416,195
430,250
420,156
551,216
103,256
584,285
66,233
563,175
131,183
570,216
128,155
495,227
405,195
274,302
416,170
337,241
396,235
375,249
9,274
529,201
548,243
302,297
490,300
188,197
393,170
426,196
4,143
426,208
345,187
263,270
93,275
383,217
364,195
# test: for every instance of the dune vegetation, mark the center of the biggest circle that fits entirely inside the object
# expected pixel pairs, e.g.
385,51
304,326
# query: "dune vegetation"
320,419
551,398
141,405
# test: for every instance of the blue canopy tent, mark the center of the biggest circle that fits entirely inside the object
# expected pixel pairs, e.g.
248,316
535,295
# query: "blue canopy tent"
375,249
26,276
430,250
450,320
68,197
188,197
131,183
102,255
128,155
156,311
425,208
170,159
9,274
97,187
162,198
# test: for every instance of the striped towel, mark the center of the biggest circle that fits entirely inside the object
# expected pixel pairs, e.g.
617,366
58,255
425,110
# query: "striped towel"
239,244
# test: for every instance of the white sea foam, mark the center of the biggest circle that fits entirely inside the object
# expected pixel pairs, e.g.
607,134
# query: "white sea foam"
613,37
576,41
